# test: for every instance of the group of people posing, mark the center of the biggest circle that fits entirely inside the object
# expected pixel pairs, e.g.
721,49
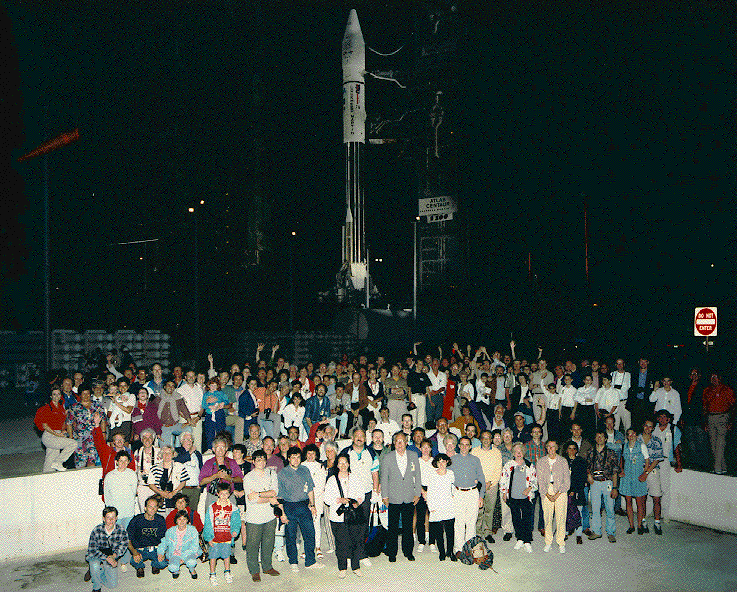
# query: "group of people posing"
446,452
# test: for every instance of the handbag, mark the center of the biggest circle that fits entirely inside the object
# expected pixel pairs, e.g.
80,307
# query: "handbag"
573,517
351,514
376,539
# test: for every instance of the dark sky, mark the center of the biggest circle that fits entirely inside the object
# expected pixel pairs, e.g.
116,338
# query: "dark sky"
632,107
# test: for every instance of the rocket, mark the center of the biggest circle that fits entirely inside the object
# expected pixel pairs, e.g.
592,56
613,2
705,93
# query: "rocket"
354,139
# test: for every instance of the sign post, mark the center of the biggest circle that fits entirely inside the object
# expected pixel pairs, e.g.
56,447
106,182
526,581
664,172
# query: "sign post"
705,323
438,208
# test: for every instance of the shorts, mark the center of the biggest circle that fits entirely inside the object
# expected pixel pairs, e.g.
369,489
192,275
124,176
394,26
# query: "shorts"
653,483
219,551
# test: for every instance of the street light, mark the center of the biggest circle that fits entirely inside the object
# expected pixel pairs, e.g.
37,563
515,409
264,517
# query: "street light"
291,283
196,281
414,269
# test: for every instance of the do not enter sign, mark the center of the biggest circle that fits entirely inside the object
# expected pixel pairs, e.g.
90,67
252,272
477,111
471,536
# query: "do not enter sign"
705,322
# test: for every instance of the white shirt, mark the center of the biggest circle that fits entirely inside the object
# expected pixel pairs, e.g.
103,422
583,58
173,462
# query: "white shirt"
621,379
363,468
425,469
440,496
586,392
668,400
319,475
389,429
293,416
192,396
437,382
482,392
607,398
402,462
539,382
260,513
351,490
568,396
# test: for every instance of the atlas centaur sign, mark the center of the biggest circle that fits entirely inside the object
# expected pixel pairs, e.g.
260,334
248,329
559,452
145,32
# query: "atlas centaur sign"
705,321
437,206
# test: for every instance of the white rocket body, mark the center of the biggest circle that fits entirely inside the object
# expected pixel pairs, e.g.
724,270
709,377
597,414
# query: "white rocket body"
354,135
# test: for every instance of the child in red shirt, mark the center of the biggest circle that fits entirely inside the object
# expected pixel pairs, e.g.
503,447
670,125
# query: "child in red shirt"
222,525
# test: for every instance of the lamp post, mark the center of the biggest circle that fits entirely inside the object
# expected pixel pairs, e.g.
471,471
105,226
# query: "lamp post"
196,213
291,281
414,269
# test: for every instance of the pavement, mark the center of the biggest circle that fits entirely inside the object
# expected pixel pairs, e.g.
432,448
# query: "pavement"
685,558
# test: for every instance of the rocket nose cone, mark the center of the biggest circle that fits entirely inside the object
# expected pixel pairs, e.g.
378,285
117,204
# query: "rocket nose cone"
353,27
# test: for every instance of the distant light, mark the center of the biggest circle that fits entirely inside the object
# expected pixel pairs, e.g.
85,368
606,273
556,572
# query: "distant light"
417,218
202,202
595,304
675,346
712,265
294,233
140,258
190,210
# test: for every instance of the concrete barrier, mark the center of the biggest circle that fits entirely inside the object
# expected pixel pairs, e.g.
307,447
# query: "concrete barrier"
48,513
705,500
54,513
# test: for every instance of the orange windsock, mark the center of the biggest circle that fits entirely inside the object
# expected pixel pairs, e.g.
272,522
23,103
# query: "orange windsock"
53,144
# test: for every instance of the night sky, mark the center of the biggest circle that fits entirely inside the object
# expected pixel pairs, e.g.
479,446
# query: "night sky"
628,107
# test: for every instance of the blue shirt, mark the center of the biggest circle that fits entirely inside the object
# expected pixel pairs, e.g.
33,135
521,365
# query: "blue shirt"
219,395
468,472
295,484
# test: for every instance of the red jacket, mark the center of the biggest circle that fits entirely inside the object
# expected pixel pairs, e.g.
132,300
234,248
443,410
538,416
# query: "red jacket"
107,453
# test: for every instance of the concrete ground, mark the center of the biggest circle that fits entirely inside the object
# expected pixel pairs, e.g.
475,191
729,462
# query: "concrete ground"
684,558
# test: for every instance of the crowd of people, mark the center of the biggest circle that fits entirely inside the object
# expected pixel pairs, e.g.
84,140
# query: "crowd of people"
345,456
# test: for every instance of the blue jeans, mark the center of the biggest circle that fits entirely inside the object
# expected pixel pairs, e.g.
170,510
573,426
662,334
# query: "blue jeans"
298,514
601,490
145,555
176,562
168,433
104,573
585,512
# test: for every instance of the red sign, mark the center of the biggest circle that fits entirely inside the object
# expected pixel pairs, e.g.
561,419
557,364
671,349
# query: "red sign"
705,322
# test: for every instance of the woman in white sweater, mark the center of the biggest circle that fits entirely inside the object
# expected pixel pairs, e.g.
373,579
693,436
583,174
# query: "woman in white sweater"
439,497
342,489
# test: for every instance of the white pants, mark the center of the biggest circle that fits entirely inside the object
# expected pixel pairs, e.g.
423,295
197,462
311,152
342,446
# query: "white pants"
418,415
623,417
557,511
507,525
197,435
58,449
466,512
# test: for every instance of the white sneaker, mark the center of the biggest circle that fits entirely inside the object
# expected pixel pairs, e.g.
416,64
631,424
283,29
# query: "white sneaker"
547,548
316,565
280,555
562,549
213,580
420,548
528,547
366,562
342,573
58,466
228,577
434,548
357,572
295,567
518,545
